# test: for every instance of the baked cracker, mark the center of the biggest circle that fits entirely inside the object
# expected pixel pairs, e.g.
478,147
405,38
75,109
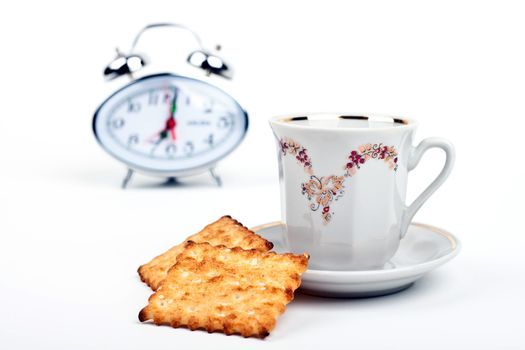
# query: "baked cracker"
225,231
229,290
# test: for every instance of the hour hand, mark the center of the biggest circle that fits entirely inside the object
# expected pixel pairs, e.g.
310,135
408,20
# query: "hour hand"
157,137
162,135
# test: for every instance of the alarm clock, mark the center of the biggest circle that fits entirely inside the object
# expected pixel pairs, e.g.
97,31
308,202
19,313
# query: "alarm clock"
166,124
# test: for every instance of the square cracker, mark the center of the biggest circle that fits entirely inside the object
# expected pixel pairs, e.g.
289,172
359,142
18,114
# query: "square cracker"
227,290
225,231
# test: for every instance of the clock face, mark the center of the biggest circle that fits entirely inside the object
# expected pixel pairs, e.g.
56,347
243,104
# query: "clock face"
169,124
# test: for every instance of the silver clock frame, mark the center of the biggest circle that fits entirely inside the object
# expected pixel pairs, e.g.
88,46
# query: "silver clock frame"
170,175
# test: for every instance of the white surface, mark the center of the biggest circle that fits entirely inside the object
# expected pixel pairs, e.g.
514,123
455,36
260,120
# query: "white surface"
71,240
422,250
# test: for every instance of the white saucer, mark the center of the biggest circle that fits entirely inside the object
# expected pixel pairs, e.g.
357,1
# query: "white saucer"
423,249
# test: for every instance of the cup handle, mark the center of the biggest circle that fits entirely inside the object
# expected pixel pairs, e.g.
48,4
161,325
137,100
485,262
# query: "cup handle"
413,160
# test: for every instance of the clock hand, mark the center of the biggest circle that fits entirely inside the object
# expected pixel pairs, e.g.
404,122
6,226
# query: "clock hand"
157,137
171,122
161,136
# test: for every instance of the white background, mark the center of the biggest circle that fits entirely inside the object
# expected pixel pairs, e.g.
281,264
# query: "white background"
71,239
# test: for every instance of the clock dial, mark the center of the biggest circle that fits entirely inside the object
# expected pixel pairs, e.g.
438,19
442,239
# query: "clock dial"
168,127
167,123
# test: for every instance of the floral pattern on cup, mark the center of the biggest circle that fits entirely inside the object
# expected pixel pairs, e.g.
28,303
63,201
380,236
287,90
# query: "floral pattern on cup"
289,146
322,191
371,151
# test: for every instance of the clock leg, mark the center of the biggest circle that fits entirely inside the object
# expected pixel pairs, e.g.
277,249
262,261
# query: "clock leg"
216,177
171,180
127,178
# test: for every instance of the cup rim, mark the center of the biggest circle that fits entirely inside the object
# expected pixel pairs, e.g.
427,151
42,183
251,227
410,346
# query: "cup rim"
287,120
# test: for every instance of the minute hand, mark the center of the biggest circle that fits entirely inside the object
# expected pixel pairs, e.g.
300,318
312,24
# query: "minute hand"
171,123
173,106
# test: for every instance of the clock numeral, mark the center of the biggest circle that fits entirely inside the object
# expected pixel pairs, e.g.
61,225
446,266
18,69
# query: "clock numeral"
167,98
189,148
188,100
171,149
133,107
224,123
209,140
133,139
153,98
117,123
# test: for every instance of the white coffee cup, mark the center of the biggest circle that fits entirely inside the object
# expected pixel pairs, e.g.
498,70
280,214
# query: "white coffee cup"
343,186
